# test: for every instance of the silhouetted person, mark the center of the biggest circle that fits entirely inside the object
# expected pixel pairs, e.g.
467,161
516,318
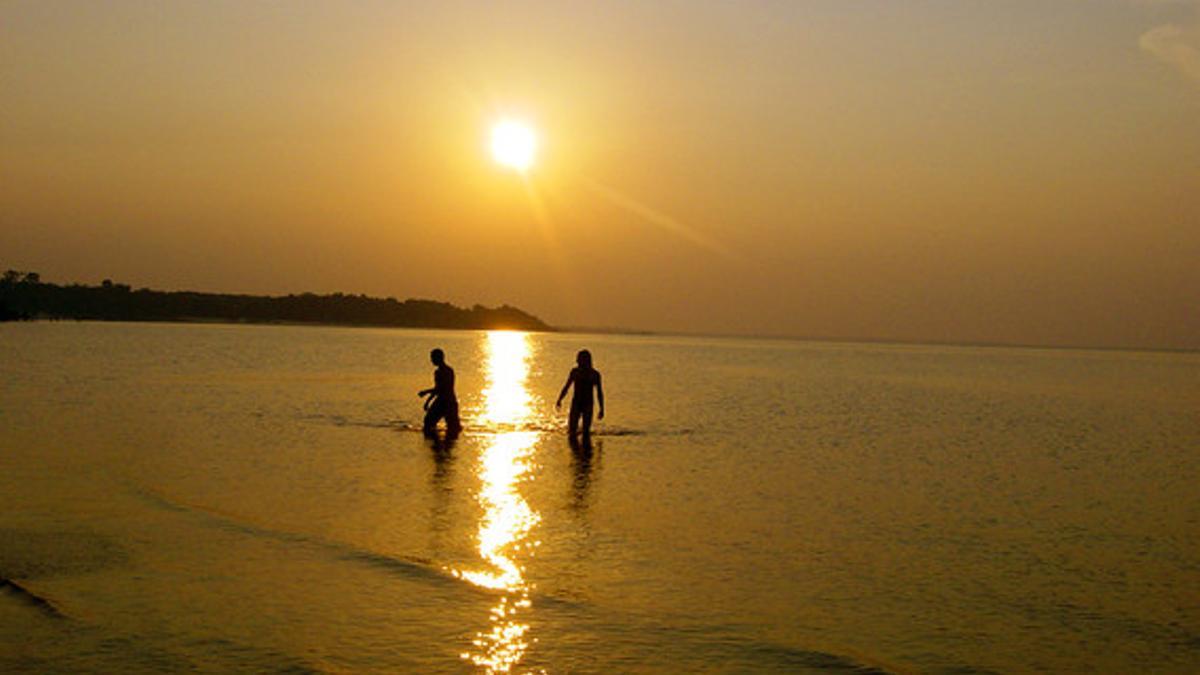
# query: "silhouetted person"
442,402
585,378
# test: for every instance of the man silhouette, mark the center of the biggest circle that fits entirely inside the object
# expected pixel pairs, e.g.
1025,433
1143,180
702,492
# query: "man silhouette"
585,378
442,401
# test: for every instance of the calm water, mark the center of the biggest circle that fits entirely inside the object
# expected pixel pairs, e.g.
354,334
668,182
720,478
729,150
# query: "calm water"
248,498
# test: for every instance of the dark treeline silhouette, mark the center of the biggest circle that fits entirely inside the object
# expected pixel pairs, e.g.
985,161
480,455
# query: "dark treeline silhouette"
23,295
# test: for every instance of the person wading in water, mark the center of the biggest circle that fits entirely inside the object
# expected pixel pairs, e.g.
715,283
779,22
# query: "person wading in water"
585,378
442,401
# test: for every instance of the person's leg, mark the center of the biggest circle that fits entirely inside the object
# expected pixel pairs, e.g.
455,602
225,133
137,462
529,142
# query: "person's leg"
573,421
587,423
453,424
435,412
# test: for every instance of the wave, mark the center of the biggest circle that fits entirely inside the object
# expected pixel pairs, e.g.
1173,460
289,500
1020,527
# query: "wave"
410,567
217,654
36,553
664,643
472,428
667,638
756,655
30,599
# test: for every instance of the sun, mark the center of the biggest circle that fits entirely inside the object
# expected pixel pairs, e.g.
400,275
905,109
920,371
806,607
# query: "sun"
514,145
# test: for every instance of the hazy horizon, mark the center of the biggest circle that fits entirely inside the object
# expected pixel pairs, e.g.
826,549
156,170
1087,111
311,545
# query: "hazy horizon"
631,331
1022,173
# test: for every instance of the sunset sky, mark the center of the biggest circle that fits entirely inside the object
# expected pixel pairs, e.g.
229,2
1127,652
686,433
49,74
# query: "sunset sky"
1012,171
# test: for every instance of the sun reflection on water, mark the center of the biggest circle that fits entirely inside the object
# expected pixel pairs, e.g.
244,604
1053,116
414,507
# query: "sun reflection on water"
504,536
507,402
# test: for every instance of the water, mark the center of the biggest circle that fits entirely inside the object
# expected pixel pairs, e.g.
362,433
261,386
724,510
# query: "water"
250,498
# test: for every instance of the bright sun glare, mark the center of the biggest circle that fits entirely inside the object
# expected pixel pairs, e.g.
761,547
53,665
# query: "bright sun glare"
513,144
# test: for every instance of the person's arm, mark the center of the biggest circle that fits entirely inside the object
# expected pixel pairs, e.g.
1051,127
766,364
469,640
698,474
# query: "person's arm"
600,394
561,394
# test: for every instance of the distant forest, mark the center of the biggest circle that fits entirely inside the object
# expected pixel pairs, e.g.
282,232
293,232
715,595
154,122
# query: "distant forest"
23,295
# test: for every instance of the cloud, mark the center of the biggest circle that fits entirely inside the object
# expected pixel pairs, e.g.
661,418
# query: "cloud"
1177,44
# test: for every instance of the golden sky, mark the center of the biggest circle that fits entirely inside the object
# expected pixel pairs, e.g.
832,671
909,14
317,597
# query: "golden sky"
1019,171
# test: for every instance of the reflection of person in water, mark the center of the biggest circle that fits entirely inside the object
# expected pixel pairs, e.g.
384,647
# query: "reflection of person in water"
441,482
584,461
441,402
585,378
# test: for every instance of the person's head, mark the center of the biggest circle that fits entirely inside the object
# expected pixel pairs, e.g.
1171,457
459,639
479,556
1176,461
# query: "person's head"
584,358
437,356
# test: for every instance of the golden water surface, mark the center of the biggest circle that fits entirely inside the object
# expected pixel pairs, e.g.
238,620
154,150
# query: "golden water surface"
506,526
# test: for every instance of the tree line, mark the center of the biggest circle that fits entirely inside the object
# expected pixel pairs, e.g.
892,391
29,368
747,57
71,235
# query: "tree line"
23,295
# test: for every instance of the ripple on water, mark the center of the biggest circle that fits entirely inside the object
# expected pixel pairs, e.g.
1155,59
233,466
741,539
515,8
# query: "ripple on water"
33,554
